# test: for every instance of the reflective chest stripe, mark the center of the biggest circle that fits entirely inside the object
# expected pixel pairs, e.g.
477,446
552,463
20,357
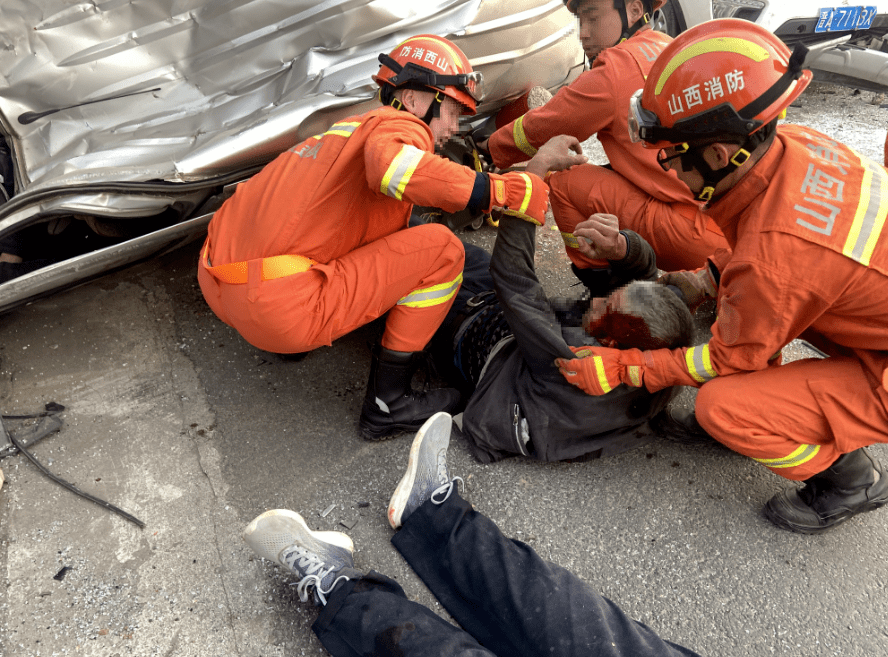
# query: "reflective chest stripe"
520,138
869,220
237,273
395,180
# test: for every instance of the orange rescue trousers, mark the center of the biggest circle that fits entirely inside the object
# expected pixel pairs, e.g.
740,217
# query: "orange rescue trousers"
414,274
681,235
796,419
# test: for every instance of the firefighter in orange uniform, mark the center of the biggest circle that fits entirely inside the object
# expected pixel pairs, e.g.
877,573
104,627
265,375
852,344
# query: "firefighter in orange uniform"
621,48
805,217
317,243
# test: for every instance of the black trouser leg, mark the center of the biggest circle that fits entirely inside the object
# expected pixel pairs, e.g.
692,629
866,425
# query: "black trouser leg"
508,598
371,616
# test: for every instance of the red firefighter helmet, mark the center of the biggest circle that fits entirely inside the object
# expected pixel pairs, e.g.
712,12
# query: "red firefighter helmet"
722,77
433,62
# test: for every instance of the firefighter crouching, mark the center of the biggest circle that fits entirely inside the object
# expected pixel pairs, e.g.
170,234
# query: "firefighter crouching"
317,243
805,217
621,47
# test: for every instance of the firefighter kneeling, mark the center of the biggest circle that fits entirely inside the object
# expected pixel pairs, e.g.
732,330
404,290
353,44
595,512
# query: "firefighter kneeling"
317,243
804,216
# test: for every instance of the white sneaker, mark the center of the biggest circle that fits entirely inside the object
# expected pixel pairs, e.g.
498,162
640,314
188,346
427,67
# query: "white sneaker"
427,473
319,559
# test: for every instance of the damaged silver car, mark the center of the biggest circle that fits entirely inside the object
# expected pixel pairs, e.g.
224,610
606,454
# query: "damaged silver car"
124,125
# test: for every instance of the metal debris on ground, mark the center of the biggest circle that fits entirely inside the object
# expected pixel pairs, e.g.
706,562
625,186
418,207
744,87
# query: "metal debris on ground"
47,422
51,410
349,524
61,574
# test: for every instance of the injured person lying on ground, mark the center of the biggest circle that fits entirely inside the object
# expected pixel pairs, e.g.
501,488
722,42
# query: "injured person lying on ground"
499,343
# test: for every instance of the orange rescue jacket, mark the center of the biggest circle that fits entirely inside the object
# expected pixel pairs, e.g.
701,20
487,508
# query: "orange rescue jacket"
810,260
597,103
335,192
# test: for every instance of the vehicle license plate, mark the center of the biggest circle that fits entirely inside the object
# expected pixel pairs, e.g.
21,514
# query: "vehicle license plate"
844,19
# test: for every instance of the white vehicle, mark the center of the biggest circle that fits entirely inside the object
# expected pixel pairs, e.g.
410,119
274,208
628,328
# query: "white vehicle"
847,42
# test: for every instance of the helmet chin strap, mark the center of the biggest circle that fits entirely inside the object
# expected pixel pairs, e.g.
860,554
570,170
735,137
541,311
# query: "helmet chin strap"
434,110
693,159
387,98
640,23
624,19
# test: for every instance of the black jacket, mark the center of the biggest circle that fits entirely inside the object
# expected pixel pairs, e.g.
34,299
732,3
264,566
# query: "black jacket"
521,381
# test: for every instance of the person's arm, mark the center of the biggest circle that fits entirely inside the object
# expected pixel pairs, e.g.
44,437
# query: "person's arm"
760,311
400,164
630,257
580,109
524,302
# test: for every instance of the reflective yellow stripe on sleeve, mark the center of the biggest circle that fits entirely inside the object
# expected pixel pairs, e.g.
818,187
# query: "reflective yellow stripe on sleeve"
699,366
802,455
433,295
869,220
395,180
520,138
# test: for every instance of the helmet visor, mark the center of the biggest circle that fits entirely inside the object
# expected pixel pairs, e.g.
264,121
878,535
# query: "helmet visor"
641,121
473,85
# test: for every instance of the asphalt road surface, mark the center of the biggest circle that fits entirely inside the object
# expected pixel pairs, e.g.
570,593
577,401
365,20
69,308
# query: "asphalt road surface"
173,417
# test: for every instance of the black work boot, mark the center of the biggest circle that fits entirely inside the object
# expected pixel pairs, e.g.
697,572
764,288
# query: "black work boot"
391,405
855,483
680,426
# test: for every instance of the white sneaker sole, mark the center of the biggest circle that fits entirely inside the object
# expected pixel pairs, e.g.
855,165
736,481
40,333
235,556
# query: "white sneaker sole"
435,432
273,531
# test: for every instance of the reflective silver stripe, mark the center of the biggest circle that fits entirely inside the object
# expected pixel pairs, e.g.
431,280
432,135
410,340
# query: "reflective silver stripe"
344,129
802,455
699,365
432,296
870,216
395,180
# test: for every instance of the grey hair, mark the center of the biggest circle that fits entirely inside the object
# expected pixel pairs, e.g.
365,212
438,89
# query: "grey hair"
669,322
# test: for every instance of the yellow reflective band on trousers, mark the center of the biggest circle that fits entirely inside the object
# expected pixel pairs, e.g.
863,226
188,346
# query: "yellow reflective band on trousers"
395,180
432,296
869,220
570,240
344,129
699,366
601,374
520,138
802,455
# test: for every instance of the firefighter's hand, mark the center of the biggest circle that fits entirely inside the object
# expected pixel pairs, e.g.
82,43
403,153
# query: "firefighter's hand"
599,238
557,154
595,370
697,286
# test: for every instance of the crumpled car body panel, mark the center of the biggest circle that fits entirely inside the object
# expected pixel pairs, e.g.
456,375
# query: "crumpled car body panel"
182,92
